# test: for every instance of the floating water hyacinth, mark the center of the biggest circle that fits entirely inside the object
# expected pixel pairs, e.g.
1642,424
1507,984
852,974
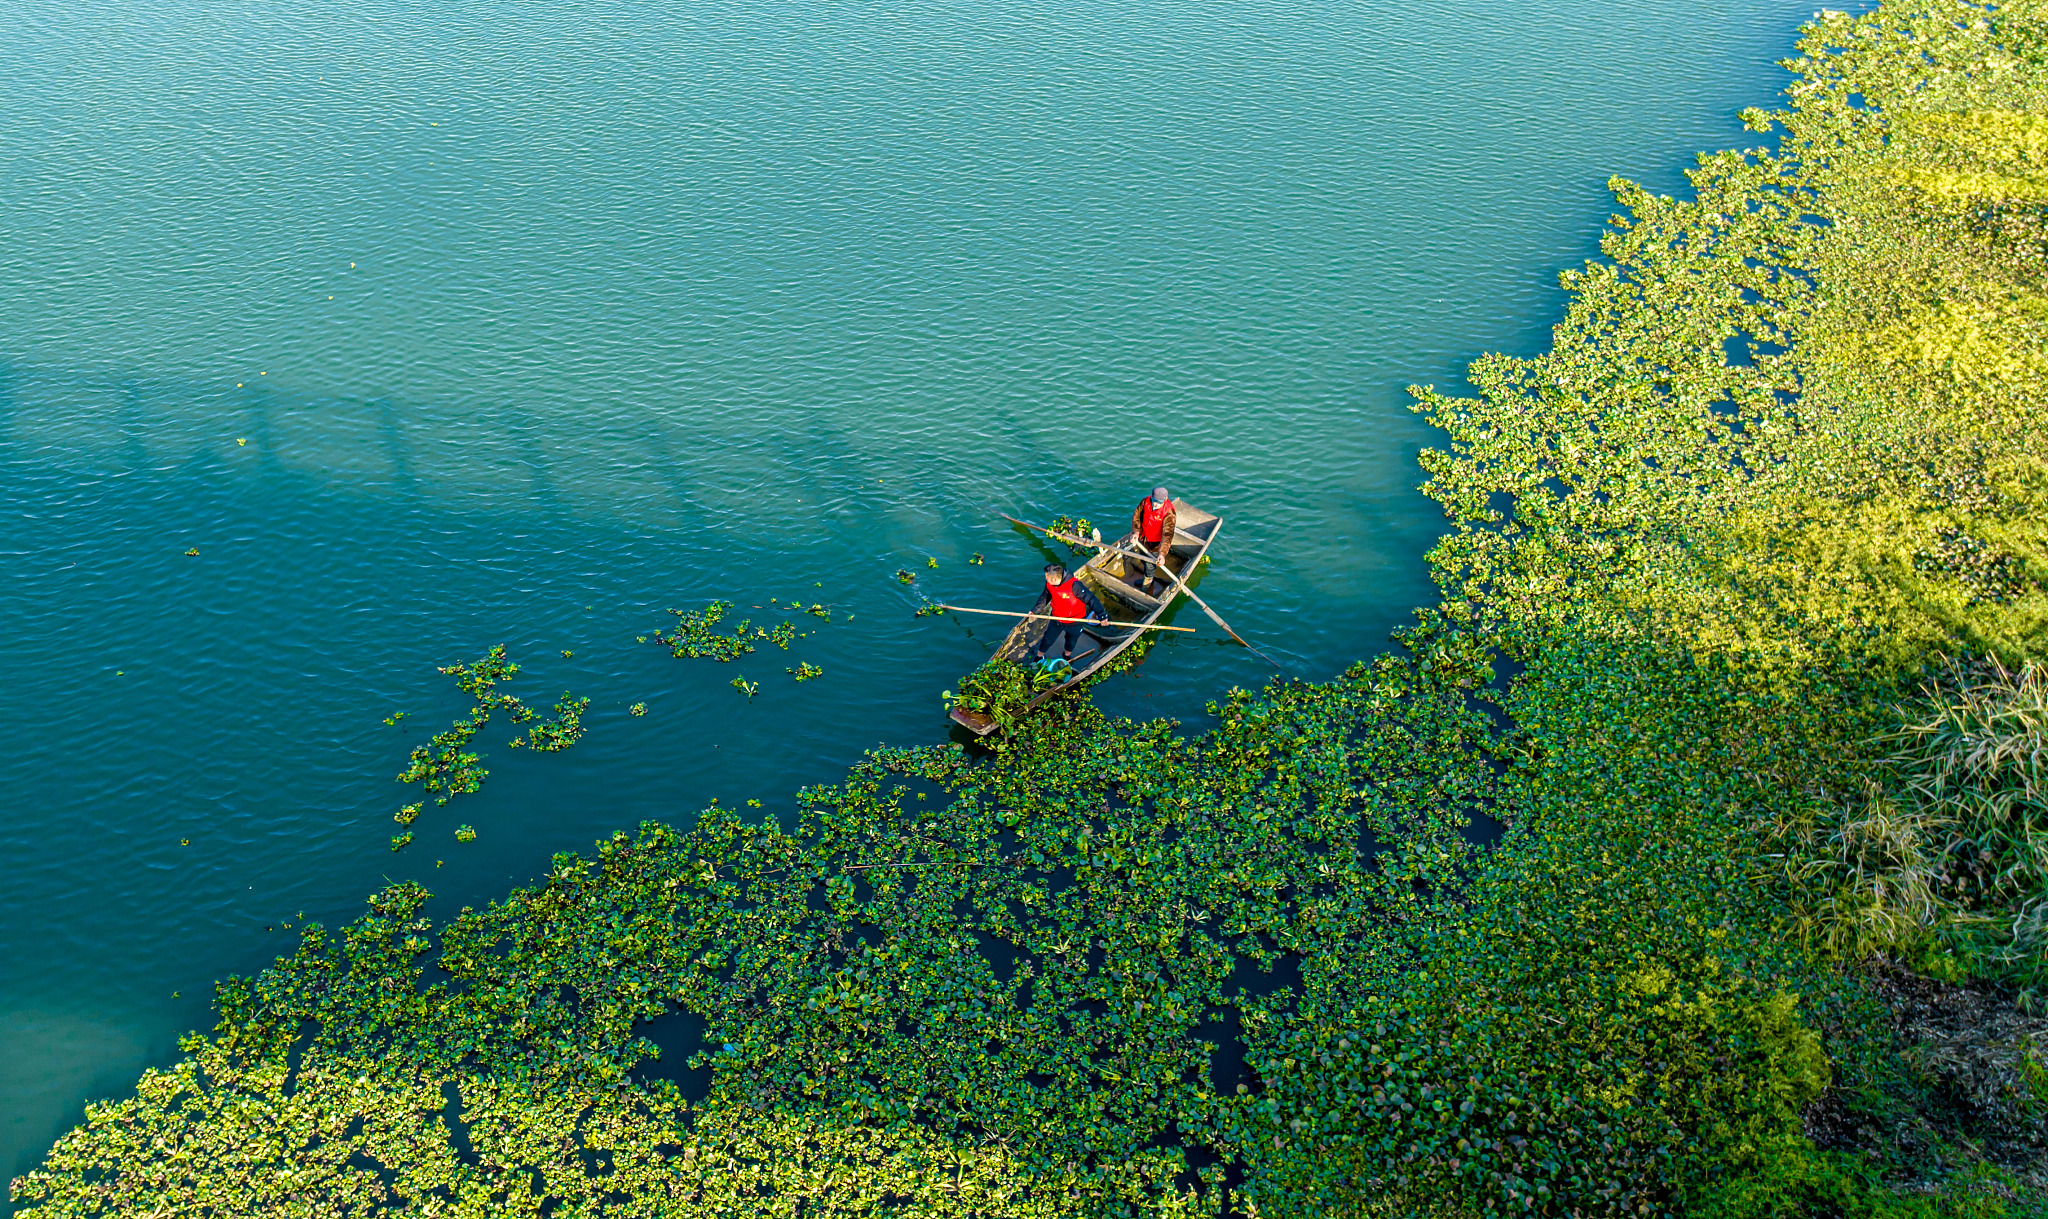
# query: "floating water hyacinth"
464,833
401,841
805,671
882,988
931,561
193,553
975,559
394,717
999,689
563,729
694,636
444,767
479,677
905,576
637,709
1074,526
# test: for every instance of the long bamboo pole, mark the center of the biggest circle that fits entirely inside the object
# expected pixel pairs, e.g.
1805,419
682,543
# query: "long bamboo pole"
1127,626
1179,581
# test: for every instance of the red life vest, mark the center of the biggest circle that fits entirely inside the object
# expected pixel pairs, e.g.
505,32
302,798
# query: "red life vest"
1154,520
1065,604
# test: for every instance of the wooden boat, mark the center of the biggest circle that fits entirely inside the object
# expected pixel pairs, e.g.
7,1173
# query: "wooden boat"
1117,579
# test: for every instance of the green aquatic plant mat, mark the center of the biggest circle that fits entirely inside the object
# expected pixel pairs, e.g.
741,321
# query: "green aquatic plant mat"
563,727
1000,689
695,634
1079,527
632,1151
445,767
1013,966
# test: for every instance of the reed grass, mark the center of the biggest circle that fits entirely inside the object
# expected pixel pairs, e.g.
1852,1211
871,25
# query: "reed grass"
1974,758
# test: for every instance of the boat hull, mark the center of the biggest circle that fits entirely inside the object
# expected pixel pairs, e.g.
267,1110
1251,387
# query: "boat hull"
1116,578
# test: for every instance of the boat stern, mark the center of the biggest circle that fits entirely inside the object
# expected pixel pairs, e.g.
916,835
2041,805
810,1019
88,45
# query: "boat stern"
973,721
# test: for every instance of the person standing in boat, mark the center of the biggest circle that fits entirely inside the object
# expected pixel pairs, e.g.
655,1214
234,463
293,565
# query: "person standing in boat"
1070,601
1153,521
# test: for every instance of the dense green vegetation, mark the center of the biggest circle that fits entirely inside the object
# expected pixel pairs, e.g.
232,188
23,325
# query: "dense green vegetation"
1742,612
1000,689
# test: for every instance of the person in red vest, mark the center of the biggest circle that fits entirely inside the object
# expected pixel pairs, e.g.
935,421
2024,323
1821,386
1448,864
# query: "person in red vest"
1153,522
1070,601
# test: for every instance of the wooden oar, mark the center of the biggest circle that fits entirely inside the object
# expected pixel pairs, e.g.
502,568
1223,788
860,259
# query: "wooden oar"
1180,585
1179,581
1128,626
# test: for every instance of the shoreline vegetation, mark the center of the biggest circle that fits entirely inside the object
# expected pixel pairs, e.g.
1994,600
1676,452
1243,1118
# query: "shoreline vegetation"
1741,619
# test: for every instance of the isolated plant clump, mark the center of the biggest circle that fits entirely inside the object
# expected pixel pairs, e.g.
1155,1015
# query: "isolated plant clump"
1080,527
563,728
445,767
695,637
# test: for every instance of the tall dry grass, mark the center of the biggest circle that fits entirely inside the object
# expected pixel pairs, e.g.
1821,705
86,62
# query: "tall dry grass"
1940,859
1974,757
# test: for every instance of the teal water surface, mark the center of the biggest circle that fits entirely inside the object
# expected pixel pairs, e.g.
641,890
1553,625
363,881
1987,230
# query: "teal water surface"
432,327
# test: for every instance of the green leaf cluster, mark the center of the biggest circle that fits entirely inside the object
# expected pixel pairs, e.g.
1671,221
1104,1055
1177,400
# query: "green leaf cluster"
445,768
1075,526
999,689
563,727
695,635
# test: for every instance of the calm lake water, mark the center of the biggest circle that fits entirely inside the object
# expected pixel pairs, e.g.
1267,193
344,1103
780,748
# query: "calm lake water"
437,326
